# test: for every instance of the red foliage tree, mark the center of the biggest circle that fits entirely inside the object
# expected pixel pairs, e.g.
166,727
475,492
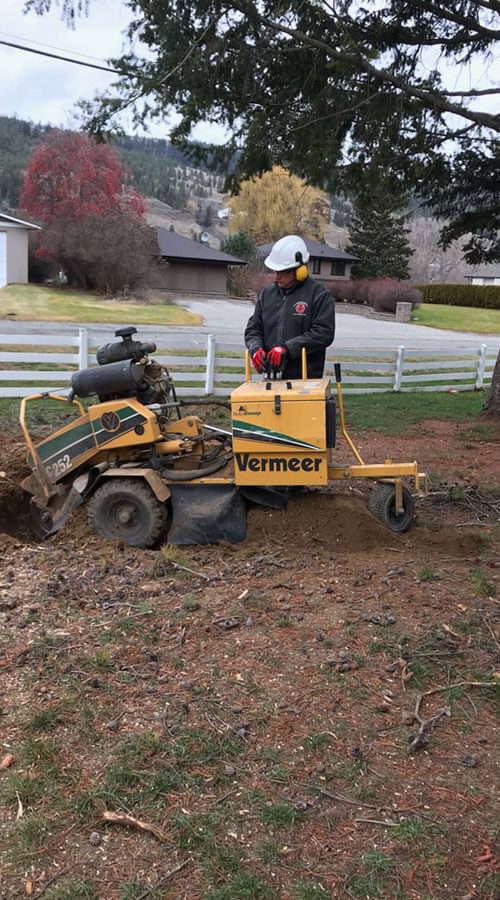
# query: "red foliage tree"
70,176
93,222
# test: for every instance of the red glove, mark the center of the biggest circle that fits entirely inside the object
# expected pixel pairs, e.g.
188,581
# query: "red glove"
277,357
259,360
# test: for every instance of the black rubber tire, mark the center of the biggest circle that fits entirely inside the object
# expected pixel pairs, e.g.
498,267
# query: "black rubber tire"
382,503
132,498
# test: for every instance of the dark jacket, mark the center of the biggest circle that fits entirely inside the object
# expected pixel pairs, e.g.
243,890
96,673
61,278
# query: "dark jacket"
303,316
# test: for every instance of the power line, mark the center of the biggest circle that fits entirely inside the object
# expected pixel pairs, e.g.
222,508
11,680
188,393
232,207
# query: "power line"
76,62
20,37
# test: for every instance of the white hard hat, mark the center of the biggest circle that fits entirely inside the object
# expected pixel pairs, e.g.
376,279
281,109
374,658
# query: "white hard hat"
288,253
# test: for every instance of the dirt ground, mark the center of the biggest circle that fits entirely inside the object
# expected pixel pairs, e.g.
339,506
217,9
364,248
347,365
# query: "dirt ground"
312,713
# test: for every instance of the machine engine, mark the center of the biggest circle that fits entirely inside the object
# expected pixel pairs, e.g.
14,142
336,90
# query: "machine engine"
124,370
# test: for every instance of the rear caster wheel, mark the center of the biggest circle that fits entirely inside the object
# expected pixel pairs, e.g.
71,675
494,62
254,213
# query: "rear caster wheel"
126,508
382,503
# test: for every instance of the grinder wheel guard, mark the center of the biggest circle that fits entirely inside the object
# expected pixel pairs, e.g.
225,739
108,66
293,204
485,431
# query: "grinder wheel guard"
206,514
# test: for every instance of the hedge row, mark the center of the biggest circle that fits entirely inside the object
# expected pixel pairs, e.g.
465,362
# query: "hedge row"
485,296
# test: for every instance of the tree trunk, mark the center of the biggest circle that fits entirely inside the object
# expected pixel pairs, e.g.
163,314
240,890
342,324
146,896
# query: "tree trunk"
491,407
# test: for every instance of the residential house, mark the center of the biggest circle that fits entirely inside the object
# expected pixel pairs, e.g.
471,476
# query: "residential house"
193,266
14,249
486,275
325,263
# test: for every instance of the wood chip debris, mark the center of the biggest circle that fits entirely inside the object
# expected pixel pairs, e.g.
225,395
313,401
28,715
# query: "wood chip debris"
116,818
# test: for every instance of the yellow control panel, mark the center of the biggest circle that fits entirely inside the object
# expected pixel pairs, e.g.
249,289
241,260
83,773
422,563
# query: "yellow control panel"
279,432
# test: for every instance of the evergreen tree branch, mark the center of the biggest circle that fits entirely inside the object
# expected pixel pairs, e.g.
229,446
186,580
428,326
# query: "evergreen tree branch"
433,100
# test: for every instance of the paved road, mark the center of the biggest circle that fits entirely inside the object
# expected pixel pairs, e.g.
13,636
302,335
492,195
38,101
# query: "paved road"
351,330
227,319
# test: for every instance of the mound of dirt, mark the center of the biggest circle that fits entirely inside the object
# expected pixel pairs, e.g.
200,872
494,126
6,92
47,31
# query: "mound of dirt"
13,456
330,522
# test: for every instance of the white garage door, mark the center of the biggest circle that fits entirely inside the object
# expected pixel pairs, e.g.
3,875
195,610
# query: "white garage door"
3,259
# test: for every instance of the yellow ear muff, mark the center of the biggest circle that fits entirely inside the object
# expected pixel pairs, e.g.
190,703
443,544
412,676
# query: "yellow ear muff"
301,273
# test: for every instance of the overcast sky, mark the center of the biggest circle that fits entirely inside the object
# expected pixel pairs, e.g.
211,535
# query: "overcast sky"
46,90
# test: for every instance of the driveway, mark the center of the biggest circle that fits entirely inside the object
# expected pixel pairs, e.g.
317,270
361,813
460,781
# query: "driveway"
227,319
222,316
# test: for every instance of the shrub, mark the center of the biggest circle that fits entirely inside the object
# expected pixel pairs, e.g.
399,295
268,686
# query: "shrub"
39,270
243,279
348,291
385,293
260,278
238,280
483,296
382,294
108,252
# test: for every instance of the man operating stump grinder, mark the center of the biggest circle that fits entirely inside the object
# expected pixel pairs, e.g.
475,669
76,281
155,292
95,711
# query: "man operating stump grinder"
292,313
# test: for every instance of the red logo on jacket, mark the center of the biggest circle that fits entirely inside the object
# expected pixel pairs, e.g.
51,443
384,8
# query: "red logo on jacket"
300,308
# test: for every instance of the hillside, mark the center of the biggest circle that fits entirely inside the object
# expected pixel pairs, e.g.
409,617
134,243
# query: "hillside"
157,168
184,222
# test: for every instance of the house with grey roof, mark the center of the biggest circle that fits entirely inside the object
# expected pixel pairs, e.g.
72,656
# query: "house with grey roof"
489,274
193,266
14,249
325,263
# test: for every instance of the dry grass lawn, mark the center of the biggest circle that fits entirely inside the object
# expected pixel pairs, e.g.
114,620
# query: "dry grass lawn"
32,302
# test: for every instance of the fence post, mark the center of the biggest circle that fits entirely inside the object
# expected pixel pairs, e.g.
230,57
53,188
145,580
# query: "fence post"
83,348
209,374
481,365
398,374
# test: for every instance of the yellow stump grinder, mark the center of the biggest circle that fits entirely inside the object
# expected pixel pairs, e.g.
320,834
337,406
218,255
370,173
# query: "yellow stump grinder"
140,465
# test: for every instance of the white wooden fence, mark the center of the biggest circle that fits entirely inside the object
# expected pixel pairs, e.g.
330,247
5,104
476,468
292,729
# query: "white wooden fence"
202,365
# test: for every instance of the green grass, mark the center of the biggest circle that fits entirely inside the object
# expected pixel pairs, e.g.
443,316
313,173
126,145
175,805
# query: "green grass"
377,861
371,881
318,740
280,815
132,889
72,890
482,583
243,886
44,719
365,886
416,828
29,833
426,573
483,433
392,413
458,318
32,302
309,890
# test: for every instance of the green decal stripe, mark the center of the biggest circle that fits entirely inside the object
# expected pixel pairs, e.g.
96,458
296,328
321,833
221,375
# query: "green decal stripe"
104,437
126,411
55,445
269,434
58,444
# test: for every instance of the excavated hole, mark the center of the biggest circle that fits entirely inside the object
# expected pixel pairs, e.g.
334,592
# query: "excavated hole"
15,519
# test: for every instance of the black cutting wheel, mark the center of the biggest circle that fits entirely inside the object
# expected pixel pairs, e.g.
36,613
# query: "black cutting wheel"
41,522
126,508
382,503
